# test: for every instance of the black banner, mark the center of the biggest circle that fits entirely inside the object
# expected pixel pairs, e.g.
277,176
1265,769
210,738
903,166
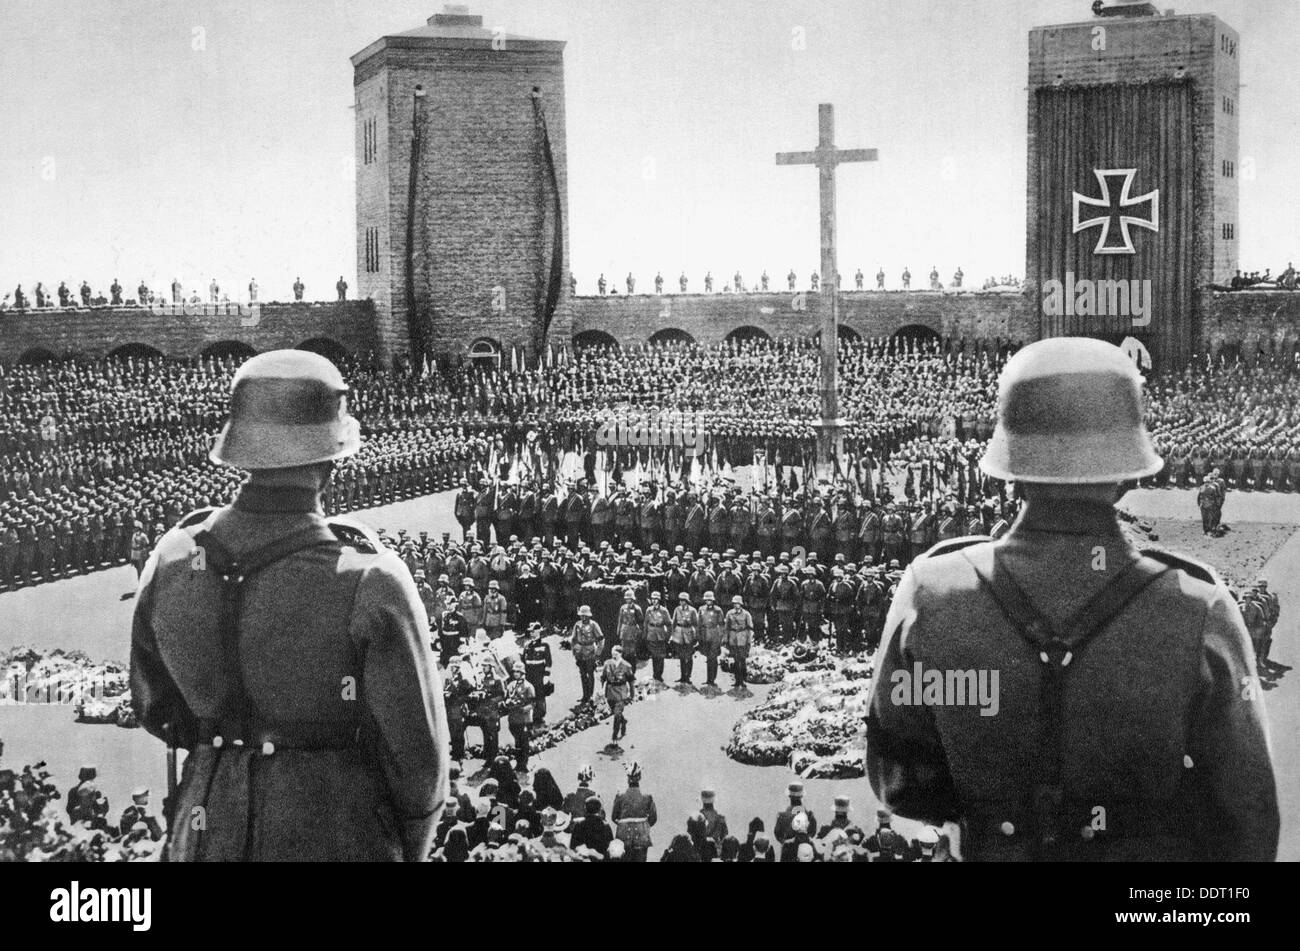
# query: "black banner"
1116,192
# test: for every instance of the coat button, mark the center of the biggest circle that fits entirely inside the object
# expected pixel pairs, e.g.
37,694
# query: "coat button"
218,742
1008,828
268,748
1088,833
1187,762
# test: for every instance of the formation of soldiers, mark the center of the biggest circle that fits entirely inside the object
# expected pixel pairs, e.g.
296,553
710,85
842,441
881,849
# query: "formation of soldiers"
90,448
714,568
1260,609
1240,420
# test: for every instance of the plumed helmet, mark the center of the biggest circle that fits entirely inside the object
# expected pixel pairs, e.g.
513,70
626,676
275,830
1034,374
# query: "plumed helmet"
287,408
1070,412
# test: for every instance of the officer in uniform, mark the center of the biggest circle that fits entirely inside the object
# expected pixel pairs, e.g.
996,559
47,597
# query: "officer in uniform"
1123,731
686,623
519,698
712,634
634,813
812,595
288,653
618,677
708,826
739,639
459,687
658,629
631,627
537,666
782,831
588,642
453,631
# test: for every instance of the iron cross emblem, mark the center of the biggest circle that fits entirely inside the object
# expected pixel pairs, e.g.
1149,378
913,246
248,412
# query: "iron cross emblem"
1114,209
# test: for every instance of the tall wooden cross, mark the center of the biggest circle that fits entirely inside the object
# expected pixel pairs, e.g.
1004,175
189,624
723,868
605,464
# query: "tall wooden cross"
826,158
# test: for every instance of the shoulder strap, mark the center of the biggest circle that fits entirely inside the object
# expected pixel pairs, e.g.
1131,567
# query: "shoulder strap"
1072,636
1057,646
235,711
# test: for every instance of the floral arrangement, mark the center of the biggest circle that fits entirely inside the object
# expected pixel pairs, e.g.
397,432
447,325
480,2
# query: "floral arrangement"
813,721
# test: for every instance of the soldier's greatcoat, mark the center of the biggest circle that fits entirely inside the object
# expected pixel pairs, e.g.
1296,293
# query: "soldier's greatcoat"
334,657
1164,749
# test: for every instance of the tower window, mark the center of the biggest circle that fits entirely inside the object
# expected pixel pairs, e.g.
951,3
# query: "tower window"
1229,169
372,250
369,141
1229,232
1229,105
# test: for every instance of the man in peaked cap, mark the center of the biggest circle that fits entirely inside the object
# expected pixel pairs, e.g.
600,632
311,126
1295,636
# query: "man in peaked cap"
255,628
1122,731
782,831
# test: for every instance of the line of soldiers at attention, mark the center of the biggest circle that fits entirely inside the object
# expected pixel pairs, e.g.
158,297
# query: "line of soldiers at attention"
834,521
144,295
762,284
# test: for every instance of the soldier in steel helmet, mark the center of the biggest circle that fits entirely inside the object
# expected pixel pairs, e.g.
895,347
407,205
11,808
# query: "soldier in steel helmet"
1125,723
288,652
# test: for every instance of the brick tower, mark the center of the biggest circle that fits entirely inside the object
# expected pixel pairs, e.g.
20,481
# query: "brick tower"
462,205
1147,103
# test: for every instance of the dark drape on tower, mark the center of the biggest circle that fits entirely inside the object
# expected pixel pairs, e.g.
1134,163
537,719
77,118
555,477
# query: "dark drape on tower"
1147,128
552,232
418,322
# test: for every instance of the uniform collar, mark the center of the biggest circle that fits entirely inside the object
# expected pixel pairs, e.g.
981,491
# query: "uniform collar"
1068,517
266,500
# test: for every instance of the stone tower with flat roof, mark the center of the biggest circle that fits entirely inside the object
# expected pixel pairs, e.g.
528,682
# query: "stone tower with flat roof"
462,205
1133,138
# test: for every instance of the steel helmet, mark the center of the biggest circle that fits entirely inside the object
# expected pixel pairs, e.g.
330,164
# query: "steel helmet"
288,408
1070,412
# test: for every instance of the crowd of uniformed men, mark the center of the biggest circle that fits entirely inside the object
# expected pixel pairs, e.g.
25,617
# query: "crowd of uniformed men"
95,456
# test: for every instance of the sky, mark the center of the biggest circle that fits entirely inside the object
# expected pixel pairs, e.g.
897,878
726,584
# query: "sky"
147,139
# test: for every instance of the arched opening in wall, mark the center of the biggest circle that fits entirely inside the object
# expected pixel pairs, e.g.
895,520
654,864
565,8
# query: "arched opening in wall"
745,334
138,351
485,354
672,336
37,355
331,350
919,334
589,339
229,348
